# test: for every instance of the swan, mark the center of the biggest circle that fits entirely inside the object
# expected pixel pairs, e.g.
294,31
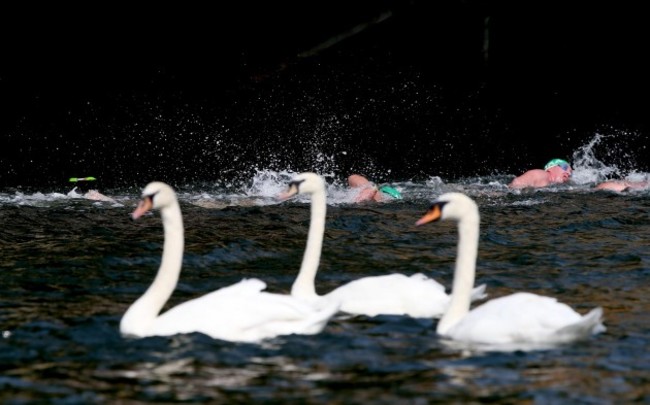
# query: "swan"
518,319
416,296
239,313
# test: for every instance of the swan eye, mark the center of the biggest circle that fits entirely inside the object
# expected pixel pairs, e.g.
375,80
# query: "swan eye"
437,208
150,196
439,204
296,184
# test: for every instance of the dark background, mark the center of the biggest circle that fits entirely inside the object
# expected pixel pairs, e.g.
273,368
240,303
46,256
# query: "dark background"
391,89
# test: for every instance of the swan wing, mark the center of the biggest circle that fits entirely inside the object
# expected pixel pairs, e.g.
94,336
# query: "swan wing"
243,312
590,324
478,293
393,294
285,315
521,318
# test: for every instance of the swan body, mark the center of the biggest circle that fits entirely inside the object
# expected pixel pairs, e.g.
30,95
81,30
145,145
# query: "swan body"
520,318
417,295
241,312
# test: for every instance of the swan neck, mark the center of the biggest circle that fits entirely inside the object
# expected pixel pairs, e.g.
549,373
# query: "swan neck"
304,286
464,273
145,310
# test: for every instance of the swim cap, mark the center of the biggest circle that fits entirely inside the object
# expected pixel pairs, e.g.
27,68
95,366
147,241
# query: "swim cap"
78,179
556,162
391,192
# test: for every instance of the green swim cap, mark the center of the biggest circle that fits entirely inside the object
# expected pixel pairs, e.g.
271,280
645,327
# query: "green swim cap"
78,179
391,192
557,162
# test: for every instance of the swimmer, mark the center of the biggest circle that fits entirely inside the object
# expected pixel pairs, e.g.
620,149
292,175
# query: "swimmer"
368,191
622,185
82,189
556,171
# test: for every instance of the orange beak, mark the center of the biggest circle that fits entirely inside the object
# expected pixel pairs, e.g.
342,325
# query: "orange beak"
293,190
433,214
143,207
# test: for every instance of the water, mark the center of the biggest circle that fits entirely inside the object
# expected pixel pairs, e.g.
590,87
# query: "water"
71,267
227,123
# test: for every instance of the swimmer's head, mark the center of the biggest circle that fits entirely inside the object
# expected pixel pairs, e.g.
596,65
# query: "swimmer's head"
391,192
564,165
83,184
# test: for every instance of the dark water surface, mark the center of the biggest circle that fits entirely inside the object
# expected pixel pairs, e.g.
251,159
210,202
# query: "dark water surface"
71,267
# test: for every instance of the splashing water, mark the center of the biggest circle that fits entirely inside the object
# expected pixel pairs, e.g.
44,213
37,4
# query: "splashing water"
587,167
268,183
604,157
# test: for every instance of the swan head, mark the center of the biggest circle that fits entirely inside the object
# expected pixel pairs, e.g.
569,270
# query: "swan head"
454,206
156,195
304,183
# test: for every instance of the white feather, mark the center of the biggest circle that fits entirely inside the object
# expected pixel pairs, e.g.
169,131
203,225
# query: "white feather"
394,294
520,318
241,312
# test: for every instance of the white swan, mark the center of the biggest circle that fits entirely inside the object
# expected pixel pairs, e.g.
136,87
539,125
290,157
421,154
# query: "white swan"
417,296
520,318
240,312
